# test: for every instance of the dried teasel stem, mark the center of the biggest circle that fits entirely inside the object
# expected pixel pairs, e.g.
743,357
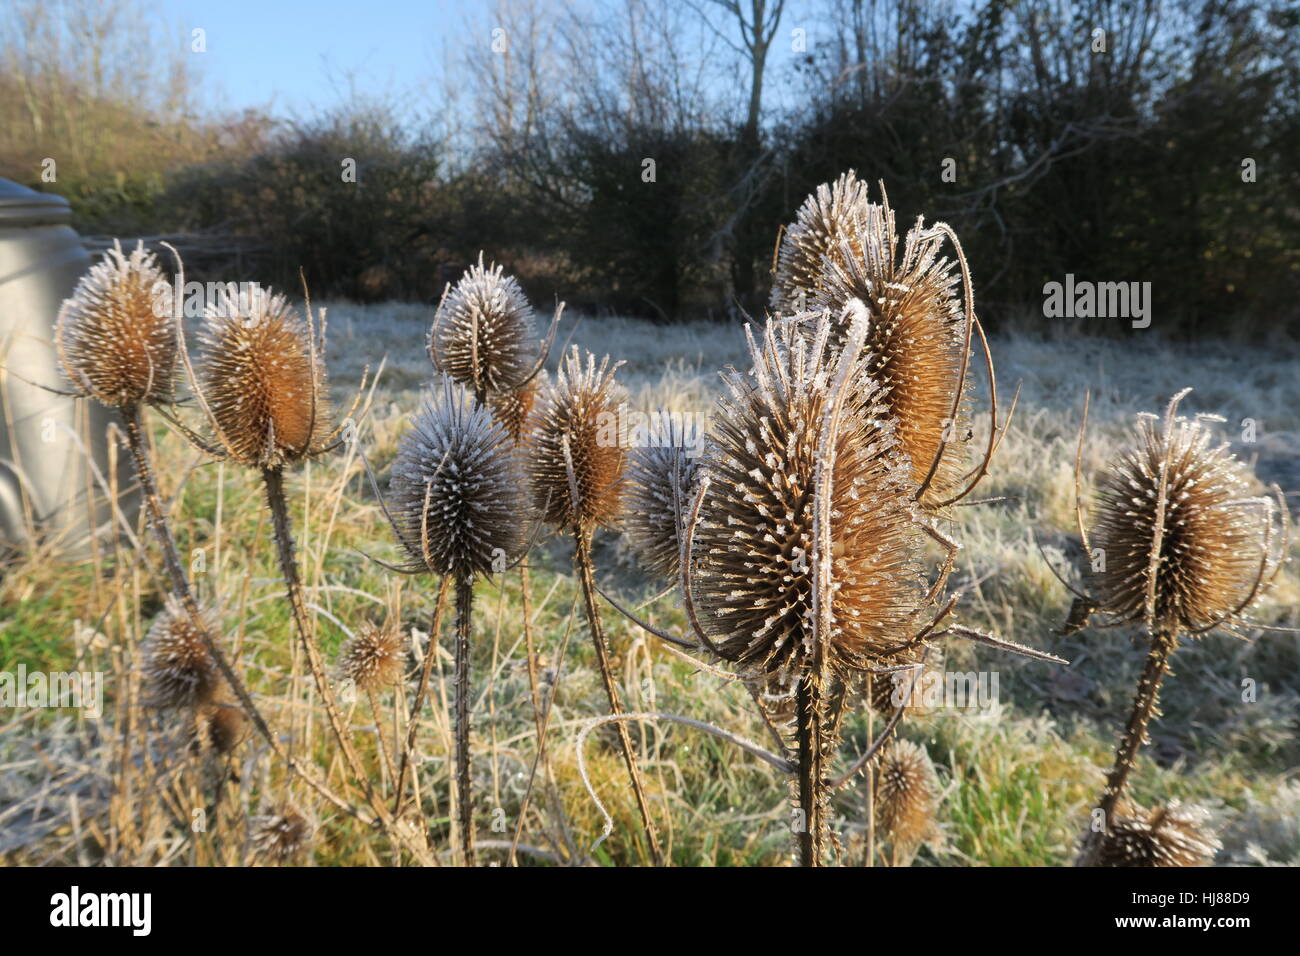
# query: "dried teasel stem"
426,668
583,565
464,796
1145,703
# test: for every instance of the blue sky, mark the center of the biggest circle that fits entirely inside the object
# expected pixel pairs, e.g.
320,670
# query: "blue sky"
297,56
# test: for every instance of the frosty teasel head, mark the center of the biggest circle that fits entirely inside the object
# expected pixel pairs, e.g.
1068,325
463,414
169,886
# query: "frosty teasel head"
263,379
280,836
919,336
457,489
576,457
828,225
178,668
513,408
1176,835
373,658
116,336
660,479
805,432
482,335
1180,543
906,794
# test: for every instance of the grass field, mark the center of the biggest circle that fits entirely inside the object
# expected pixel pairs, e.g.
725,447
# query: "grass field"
1017,778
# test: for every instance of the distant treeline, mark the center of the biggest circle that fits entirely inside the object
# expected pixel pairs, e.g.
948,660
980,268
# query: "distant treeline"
633,157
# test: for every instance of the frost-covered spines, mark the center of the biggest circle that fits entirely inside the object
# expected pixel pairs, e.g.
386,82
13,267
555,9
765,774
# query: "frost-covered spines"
660,479
482,336
828,225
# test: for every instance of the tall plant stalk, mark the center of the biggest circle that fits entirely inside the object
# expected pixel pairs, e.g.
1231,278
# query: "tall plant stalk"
464,796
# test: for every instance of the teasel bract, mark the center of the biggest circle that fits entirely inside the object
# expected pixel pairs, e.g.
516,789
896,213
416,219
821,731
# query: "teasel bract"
1176,835
456,496
1180,545
576,460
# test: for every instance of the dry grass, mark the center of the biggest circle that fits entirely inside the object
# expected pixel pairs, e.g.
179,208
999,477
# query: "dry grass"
1015,781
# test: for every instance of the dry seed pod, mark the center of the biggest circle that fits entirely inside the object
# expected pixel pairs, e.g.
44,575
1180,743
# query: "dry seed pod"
178,669
660,478
906,794
577,457
482,336
917,335
374,658
457,489
264,381
115,335
828,224
220,725
1176,835
1211,535
754,540
280,837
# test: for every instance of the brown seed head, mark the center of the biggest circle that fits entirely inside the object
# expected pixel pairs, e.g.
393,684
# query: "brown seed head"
373,658
828,224
116,337
1213,534
220,725
906,793
577,455
280,837
660,479
178,670
482,337
754,544
457,489
264,381
917,336
513,408
890,690
1176,835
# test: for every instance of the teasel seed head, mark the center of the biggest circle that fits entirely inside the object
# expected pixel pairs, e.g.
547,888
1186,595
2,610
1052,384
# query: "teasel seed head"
660,479
178,669
220,725
1213,536
753,545
458,498
280,837
828,224
374,658
891,689
482,336
116,336
264,379
513,408
576,452
1176,835
917,336
906,794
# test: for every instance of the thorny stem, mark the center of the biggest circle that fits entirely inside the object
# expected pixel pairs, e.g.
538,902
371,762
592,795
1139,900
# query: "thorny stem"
1144,708
582,563
808,741
464,799
273,479
373,700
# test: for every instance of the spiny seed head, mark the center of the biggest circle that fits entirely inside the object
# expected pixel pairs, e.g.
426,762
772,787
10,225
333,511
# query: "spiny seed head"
1177,835
754,546
890,690
906,793
458,498
828,224
264,380
577,423
917,336
482,336
513,408
280,837
660,479
117,341
219,726
178,669
373,658
1212,534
